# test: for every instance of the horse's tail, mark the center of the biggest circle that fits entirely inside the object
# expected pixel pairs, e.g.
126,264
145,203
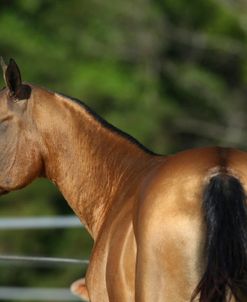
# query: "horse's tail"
225,272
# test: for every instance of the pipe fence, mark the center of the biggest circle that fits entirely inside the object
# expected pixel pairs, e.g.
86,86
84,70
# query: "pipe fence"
39,223
38,294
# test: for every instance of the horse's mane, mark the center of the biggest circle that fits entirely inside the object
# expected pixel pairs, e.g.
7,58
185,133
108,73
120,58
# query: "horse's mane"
108,125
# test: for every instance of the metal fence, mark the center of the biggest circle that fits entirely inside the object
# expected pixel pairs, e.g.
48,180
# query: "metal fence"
38,294
39,223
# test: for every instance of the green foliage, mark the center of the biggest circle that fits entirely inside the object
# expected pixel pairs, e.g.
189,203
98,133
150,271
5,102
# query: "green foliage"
172,73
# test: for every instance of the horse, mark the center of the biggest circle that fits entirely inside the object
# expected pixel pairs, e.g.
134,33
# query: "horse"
165,228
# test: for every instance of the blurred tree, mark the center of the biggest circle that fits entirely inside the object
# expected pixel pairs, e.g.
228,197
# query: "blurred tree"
172,73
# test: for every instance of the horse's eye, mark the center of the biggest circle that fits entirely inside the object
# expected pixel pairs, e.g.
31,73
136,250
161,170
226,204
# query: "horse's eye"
4,124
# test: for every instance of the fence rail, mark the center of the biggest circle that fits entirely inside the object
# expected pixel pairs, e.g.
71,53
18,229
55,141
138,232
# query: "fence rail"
36,294
39,261
39,222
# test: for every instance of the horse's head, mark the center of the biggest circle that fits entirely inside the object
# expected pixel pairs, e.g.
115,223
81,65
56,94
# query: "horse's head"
20,160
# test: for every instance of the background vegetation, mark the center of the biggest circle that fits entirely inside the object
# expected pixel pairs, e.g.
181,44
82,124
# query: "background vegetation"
172,73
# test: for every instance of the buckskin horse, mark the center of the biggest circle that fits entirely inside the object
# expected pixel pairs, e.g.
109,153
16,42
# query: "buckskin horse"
166,228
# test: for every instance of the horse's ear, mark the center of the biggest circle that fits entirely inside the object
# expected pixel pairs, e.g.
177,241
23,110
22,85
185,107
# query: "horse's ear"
12,77
3,65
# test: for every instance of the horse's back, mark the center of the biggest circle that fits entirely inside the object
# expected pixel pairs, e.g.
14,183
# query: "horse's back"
175,187
177,183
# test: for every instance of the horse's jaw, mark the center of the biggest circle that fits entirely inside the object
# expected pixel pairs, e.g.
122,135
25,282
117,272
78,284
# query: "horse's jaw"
3,191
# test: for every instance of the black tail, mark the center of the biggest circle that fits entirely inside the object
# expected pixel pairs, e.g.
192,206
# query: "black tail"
224,205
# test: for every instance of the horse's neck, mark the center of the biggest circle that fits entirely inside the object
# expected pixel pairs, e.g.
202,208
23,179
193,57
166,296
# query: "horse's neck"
88,162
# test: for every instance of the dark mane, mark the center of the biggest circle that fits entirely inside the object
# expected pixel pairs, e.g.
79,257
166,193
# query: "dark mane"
109,126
